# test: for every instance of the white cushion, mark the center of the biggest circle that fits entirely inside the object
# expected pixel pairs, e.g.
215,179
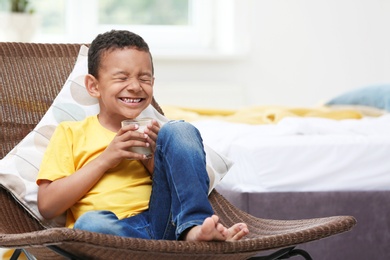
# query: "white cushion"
19,168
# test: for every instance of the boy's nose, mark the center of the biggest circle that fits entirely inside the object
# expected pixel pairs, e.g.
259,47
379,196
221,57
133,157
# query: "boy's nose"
134,86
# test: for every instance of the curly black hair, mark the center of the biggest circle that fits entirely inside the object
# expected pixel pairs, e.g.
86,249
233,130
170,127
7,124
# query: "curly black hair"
114,39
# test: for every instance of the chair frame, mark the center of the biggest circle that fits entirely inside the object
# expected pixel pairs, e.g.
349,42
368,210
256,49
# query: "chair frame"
44,68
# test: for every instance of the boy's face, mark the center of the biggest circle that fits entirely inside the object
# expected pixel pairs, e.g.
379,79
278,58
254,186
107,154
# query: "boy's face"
124,85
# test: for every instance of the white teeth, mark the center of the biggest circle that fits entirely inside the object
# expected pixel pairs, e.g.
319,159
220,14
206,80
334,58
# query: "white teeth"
131,100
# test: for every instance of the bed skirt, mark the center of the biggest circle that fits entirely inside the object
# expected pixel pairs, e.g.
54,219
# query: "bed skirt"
368,240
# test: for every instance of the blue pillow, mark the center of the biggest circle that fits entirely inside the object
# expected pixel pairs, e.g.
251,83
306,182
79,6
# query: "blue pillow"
372,96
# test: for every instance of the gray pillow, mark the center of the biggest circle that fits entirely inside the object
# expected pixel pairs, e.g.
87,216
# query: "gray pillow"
372,96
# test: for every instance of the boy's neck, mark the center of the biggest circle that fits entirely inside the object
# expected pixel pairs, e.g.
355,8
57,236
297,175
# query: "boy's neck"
109,124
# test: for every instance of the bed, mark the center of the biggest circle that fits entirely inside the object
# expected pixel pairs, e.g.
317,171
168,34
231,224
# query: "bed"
315,163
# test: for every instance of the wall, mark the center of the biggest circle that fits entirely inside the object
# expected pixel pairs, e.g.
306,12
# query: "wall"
302,52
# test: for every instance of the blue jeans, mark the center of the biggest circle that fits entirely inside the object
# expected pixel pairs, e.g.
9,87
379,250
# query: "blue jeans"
179,198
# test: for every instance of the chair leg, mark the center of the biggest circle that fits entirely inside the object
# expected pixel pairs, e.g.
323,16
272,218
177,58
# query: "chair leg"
28,255
64,253
284,254
300,252
17,253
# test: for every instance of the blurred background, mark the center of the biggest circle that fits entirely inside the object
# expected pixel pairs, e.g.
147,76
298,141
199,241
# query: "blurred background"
229,53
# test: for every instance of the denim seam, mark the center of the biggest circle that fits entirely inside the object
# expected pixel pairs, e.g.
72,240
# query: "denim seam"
180,229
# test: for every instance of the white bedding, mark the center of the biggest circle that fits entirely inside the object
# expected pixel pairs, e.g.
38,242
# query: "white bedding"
303,154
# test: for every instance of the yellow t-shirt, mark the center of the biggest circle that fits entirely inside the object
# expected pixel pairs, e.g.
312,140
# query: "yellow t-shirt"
124,190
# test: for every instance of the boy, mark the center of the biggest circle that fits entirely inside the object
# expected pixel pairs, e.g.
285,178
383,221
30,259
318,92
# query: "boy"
89,172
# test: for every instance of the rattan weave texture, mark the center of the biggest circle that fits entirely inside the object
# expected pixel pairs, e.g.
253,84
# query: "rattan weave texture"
31,75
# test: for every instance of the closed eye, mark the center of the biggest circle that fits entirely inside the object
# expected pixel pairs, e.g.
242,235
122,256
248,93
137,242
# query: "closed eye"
120,75
146,79
120,79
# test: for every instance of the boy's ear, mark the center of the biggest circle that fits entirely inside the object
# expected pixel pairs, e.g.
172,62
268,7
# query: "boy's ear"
91,84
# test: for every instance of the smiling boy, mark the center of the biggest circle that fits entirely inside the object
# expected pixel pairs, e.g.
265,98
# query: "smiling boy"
89,172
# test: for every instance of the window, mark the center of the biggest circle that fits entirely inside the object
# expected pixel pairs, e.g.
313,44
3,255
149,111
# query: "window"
173,28
52,17
144,12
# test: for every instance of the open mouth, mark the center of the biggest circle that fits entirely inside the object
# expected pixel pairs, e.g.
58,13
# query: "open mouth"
131,100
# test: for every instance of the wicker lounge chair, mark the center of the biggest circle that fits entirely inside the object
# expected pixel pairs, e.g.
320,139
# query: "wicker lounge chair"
35,73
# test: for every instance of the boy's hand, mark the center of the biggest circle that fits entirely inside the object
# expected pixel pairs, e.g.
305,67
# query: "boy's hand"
119,148
152,132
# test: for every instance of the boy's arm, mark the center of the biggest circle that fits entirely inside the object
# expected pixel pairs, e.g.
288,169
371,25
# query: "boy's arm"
55,197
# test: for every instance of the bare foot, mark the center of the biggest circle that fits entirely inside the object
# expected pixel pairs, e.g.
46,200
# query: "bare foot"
237,231
212,230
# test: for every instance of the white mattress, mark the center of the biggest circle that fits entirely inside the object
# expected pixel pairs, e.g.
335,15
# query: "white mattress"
303,154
